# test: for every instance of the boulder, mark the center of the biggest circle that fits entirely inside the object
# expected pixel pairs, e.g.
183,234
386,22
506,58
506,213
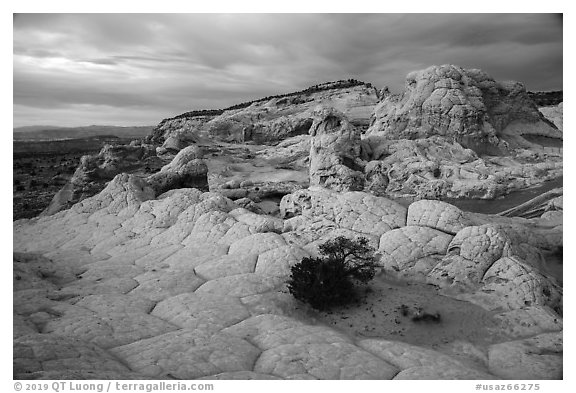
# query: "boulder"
186,170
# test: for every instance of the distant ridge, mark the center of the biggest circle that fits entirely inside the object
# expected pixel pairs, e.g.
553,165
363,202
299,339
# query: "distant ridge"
340,84
54,132
547,98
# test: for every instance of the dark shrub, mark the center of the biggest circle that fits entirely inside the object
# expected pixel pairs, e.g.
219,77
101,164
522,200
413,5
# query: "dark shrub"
329,280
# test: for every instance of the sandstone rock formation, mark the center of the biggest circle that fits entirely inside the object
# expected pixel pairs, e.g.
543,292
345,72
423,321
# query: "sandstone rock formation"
192,286
335,152
548,205
269,121
186,170
468,106
554,114
94,171
156,277
460,134
179,129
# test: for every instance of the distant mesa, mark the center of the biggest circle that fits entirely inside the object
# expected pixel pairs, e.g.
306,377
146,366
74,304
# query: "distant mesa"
271,119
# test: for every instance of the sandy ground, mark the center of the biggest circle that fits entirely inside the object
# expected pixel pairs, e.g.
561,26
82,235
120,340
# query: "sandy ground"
380,314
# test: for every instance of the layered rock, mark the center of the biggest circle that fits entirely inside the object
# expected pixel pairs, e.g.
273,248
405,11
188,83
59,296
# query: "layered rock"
178,129
458,133
548,205
271,120
554,113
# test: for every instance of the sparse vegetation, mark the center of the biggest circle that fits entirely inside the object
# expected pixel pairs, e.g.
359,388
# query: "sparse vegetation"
328,281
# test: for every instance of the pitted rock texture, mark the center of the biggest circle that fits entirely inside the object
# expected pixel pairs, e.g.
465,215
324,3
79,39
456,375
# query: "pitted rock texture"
437,167
458,133
464,104
125,285
334,152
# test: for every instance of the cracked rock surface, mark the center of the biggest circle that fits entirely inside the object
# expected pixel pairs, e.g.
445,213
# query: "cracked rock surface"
458,133
187,285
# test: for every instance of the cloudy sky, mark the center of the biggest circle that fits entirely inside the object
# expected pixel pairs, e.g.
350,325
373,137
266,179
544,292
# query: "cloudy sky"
136,69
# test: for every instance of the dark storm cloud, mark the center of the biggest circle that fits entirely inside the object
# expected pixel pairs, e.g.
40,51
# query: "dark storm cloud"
165,64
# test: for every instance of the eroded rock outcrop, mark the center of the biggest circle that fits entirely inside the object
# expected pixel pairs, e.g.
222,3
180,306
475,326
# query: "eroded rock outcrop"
335,152
186,170
94,171
192,286
467,106
271,120
554,114
458,133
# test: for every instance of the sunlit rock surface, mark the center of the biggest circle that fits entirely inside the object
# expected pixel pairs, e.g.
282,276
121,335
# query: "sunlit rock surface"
188,285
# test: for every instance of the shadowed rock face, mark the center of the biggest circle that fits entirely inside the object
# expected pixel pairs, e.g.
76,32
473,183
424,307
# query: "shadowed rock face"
335,152
187,170
466,105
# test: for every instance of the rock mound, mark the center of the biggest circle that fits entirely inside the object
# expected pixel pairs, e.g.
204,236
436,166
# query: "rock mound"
458,133
189,285
271,120
465,105
186,170
554,114
335,152
95,170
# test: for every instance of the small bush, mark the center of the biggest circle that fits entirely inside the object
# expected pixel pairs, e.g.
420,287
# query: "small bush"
329,281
